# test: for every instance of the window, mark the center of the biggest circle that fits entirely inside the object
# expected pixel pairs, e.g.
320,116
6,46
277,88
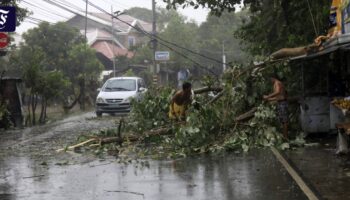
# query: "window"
120,85
131,41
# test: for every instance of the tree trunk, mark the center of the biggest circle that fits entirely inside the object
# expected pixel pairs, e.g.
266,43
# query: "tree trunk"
68,107
246,116
34,104
29,117
82,92
43,111
41,119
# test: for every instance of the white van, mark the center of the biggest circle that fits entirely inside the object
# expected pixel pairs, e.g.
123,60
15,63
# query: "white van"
115,95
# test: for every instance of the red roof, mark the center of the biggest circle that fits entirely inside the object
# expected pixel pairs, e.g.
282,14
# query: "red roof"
107,48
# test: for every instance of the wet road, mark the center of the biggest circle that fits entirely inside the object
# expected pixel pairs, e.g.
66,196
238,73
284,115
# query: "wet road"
256,175
30,169
326,172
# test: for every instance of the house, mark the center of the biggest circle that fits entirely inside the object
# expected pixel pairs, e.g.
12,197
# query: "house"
108,43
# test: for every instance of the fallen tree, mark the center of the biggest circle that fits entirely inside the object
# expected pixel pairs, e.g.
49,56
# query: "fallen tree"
236,118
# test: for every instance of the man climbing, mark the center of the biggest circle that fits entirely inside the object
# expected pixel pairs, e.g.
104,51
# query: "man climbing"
180,102
279,95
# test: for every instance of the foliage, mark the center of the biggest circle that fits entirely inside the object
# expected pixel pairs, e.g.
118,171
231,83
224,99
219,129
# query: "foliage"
277,24
272,24
151,111
216,35
184,34
129,73
5,121
56,41
207,39
64,55
211,127
83,62
55,62
217,7
174,29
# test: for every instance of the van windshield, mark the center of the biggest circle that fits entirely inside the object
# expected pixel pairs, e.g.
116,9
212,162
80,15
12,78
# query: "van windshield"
120,85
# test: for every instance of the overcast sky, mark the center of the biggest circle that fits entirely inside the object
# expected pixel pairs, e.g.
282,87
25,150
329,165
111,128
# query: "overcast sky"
42,10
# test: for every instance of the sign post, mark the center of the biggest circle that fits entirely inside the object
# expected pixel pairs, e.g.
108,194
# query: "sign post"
160,56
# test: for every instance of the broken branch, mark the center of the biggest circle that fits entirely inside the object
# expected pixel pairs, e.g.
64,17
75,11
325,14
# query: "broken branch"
207,89
77,145
246,116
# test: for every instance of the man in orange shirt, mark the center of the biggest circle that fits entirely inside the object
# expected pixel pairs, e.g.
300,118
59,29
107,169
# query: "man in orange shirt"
180,102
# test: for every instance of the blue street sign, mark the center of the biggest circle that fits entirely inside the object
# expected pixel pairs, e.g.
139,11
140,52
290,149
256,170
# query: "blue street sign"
7,19
162,55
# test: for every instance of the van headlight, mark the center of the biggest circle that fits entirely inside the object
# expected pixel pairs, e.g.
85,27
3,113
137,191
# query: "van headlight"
100,100
127,100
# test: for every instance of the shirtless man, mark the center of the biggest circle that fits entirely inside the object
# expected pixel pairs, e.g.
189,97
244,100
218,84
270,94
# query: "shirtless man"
279,95
180,101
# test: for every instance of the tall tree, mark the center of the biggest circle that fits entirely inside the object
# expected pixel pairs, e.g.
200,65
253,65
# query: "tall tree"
216,36
273,23
31,61
56,40
85,71
65,50
182,33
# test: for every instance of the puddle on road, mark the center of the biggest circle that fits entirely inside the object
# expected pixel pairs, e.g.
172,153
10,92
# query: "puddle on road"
235,176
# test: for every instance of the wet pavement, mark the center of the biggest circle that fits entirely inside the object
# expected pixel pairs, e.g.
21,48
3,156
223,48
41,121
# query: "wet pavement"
46,139
31,169
255,175
328,173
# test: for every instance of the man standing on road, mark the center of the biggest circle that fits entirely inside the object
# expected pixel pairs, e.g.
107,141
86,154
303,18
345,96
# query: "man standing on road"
279,95
180,102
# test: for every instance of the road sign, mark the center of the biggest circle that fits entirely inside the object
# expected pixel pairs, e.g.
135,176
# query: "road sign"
4,40
162,55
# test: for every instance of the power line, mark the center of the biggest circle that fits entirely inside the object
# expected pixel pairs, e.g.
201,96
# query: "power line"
45,15
116,4
60,5
152,37
161,39
54,3
32,22
70,5
45,10
36,19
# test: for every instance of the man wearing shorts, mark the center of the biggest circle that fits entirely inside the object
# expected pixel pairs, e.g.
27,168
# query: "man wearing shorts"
279,95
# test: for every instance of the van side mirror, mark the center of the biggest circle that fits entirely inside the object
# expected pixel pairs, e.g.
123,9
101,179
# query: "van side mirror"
98,89
142,89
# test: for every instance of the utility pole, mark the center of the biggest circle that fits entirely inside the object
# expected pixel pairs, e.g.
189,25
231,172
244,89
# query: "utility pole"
85,61
112,32
154,34
223,57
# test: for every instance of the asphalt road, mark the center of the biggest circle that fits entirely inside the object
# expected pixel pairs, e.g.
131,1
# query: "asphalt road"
31,169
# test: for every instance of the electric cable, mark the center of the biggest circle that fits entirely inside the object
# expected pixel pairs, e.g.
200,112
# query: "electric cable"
151,37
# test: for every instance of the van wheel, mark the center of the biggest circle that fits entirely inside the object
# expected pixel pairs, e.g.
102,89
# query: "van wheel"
98,114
